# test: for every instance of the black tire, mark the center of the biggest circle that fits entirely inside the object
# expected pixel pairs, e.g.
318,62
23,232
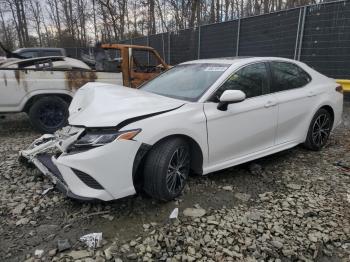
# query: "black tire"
158,178
47,114
319,130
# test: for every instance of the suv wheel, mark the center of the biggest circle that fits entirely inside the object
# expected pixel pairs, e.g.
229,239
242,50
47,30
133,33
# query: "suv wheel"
48,114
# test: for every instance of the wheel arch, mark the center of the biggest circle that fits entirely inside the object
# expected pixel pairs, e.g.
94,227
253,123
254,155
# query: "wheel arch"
67,98
195,150
330,110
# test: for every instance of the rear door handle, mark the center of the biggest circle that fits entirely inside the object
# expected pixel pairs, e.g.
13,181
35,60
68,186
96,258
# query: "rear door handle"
270,103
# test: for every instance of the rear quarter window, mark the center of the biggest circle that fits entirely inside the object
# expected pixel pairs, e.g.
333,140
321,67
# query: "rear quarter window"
286,76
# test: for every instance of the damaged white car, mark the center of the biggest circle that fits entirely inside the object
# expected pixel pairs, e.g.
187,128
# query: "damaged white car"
199,116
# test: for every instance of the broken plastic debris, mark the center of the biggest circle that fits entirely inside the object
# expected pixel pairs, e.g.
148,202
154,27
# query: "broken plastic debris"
46,191
92,240
38,253
174,213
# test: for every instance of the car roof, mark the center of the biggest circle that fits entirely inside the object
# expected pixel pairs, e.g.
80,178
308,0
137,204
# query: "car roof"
38,49
237,59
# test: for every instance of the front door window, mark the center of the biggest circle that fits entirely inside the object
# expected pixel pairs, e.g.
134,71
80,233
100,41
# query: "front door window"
252,80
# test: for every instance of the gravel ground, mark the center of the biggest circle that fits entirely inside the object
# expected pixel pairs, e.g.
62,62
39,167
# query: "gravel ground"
291,206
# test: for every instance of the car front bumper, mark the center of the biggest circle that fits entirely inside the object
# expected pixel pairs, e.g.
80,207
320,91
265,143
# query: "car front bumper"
103,173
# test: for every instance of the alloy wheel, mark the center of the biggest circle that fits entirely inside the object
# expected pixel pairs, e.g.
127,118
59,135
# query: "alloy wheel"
321,130
178,170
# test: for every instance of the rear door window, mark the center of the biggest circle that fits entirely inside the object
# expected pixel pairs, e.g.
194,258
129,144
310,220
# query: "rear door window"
286,76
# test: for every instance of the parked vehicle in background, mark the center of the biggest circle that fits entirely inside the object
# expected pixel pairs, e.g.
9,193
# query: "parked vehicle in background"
40,52
203,116
43,87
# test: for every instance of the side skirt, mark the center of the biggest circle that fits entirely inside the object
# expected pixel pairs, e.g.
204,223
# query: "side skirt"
250,157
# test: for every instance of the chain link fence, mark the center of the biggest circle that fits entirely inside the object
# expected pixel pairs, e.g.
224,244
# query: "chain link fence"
318,35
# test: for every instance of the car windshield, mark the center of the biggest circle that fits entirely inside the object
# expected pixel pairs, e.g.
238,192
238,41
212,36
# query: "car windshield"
186,81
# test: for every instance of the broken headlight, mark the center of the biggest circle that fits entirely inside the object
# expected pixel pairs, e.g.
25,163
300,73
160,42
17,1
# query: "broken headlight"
100,138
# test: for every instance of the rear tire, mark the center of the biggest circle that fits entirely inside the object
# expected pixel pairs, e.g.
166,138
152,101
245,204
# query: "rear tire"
167,167
48,114
319,130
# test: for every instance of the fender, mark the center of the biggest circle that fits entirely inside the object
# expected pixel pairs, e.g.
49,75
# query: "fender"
321,104
46,92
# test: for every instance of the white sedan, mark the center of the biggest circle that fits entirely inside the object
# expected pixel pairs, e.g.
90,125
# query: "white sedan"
199,116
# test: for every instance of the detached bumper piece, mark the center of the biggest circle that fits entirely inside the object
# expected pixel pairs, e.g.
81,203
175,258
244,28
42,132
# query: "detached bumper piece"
45,164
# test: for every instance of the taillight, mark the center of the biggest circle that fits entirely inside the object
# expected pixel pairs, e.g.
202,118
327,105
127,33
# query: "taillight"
339,89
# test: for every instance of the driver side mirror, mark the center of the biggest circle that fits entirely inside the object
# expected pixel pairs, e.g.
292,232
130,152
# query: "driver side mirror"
230,97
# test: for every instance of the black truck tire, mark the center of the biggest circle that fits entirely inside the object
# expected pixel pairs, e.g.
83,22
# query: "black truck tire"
48,114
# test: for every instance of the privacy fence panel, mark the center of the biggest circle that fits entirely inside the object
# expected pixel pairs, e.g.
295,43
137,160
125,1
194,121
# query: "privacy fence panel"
269,35
139,41
158,42
326,40
183,45
142,57
75,52
218,40
127,41
318,35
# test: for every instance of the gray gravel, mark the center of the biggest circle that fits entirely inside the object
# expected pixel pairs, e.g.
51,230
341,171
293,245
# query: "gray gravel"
292,206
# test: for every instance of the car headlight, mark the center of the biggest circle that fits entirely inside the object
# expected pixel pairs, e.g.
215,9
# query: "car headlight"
100,138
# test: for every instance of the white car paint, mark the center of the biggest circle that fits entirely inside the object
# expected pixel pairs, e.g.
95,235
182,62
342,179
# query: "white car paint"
65,63
119,100
250,129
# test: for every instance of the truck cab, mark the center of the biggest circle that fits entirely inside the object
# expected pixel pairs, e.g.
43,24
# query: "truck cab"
137,63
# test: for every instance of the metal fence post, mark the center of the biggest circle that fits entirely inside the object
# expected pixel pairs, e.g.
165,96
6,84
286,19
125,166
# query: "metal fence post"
169,49
199,43
163,48
302,32
238,35
148,52
297,36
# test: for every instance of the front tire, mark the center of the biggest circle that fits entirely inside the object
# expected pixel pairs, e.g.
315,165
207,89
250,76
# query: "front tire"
319,130
166,169
48,114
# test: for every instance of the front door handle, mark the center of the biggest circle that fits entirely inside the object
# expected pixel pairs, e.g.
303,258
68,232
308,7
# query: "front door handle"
270,103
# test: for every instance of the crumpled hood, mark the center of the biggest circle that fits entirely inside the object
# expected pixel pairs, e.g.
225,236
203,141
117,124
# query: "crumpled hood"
106,105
